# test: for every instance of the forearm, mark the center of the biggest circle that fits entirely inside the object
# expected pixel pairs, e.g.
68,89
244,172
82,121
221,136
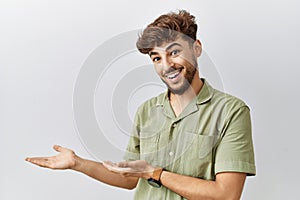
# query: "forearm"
195,188
97,171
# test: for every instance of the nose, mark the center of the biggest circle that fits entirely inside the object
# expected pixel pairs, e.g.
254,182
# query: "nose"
167,63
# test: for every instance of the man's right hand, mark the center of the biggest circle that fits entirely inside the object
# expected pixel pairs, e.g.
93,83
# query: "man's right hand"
66,159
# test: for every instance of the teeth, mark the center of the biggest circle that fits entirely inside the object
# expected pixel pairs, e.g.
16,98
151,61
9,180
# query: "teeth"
173,74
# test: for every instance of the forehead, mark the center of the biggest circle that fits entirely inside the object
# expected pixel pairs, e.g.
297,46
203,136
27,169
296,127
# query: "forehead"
177,43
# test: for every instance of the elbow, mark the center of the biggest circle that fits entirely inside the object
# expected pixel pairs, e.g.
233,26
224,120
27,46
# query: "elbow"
130,187
228,196
215,198
131,184
217,195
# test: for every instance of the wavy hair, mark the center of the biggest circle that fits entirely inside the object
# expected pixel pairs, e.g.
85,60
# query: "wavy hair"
167,28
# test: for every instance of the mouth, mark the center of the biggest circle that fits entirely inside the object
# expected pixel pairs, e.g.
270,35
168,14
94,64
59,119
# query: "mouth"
173,74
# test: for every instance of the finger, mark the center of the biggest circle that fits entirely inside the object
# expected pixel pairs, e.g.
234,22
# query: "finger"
40,161
108,165
57,148
114,168
123,164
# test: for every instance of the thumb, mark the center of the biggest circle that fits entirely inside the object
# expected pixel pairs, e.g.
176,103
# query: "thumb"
57,148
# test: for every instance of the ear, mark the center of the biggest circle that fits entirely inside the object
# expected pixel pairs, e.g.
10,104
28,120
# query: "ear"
197,48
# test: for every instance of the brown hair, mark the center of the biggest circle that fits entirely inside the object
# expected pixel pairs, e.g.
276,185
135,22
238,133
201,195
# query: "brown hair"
167,28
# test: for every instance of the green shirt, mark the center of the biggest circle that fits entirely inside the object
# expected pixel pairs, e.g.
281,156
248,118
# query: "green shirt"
211,135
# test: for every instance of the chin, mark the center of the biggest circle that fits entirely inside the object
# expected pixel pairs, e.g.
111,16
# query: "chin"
179,90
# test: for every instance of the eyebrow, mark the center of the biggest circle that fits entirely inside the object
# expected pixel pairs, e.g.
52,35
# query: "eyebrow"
167,48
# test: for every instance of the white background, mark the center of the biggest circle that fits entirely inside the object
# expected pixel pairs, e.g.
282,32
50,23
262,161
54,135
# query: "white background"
43,44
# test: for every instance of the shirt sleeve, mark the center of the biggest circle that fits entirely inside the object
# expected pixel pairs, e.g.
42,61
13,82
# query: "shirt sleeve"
235,152
133,148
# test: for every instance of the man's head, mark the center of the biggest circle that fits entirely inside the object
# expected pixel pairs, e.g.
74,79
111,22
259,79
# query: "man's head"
171,43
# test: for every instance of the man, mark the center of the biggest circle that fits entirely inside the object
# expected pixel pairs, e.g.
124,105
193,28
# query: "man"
191,142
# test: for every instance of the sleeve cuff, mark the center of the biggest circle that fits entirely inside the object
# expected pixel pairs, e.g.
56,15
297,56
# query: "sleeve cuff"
236,166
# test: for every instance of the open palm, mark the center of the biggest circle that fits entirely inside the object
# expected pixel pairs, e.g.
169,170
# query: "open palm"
64,160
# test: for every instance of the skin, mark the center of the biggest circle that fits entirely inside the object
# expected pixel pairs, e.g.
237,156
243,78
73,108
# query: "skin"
180,56
176,65
67,159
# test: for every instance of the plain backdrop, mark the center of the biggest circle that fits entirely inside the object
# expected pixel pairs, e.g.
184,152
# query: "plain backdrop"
254,46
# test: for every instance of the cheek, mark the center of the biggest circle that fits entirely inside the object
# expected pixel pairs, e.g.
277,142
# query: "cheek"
187,63
157,69
185,60
191,62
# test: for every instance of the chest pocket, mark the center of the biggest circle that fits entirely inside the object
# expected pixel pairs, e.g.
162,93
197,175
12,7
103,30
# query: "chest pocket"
200,146
149,147
198,159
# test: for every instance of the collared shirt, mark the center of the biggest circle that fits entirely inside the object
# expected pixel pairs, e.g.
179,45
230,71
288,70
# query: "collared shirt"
211,135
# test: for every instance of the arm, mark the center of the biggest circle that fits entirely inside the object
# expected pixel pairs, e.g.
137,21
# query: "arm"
234,160
97,171
67,159
227,186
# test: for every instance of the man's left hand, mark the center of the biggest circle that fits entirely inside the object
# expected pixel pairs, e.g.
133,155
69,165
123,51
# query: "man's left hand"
138,168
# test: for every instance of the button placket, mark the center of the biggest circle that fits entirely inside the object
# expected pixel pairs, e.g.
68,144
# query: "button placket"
172,150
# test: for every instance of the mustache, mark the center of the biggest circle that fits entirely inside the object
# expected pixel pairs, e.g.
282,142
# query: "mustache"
172,69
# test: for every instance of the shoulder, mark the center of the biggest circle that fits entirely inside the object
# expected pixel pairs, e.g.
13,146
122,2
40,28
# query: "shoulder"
152,103
226,104
217,98
227,99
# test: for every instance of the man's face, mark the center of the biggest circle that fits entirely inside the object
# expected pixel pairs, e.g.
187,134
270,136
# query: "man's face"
176,63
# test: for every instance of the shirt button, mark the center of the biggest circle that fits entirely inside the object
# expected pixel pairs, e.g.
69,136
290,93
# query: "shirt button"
171,153
174,125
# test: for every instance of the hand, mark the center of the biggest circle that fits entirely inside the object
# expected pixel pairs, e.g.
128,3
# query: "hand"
64,160
138,168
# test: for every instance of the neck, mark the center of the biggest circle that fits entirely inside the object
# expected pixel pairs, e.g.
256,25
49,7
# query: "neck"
180,101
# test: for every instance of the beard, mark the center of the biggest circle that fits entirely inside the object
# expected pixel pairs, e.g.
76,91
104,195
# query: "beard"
188,78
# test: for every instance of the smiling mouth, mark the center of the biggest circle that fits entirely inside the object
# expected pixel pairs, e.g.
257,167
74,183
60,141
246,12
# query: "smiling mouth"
173,74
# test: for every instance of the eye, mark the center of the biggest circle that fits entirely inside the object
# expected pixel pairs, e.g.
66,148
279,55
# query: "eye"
155,59
174,52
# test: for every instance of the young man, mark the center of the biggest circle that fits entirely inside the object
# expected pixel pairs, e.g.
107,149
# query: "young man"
191,142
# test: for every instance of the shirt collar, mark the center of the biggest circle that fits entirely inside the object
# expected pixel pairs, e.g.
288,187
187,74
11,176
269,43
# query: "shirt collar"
204,95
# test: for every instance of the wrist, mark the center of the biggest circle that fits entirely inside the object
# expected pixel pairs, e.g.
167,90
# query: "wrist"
77,163
149,172
154,179
156,174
